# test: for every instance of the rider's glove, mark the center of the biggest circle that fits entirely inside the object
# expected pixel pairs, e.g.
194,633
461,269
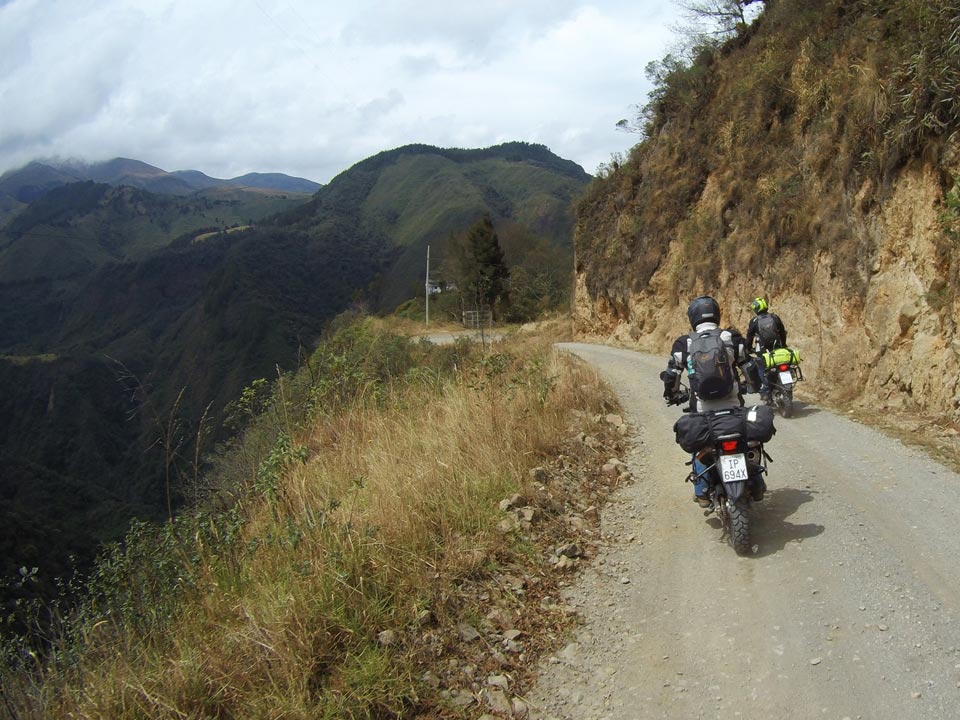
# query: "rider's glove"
677,398
669,379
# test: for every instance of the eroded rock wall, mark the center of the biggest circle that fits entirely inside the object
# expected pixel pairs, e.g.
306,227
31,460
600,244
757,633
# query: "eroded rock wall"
892,344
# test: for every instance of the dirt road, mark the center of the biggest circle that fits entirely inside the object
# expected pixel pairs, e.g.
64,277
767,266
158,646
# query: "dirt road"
448,337
846,609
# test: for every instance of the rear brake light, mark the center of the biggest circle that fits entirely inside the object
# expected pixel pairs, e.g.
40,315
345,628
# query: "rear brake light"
729,445
784,368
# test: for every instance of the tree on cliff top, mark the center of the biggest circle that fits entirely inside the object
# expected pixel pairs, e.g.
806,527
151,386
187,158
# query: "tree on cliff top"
714,19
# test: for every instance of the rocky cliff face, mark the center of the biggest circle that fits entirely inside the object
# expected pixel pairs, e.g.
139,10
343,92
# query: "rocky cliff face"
809,194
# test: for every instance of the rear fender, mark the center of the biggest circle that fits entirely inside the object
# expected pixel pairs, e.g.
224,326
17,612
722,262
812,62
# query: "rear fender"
735,490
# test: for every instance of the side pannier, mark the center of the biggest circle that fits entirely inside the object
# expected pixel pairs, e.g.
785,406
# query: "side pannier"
759,421
692,431
751,375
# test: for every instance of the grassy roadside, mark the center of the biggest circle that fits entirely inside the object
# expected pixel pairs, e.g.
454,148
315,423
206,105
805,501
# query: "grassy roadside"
392,553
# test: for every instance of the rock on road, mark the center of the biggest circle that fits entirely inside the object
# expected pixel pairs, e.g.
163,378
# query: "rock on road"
846,609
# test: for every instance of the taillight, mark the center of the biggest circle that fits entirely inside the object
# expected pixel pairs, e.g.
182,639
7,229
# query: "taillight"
729,446
784,368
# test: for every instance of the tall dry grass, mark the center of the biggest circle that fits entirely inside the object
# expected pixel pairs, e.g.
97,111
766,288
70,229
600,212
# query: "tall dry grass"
330,600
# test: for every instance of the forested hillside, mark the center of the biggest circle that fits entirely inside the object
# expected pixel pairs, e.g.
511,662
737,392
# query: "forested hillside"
95,369
813,157
73,229
420,195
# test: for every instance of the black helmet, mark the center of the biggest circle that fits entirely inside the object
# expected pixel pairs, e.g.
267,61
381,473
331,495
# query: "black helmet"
703,309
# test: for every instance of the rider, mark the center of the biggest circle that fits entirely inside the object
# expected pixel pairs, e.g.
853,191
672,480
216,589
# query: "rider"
704,315
767,331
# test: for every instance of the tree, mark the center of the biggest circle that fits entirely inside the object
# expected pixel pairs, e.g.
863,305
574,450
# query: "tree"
478,265
714,19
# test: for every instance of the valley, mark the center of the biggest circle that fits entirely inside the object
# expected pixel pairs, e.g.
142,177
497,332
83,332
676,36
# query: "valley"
152,310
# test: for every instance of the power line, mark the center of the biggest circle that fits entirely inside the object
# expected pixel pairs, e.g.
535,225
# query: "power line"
305,51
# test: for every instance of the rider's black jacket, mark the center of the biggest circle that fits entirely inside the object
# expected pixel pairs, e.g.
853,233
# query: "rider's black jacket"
753,334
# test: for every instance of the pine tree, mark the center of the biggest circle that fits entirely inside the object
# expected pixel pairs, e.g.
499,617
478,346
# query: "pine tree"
478,263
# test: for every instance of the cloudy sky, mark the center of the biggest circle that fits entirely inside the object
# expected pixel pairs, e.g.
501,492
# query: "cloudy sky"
309,87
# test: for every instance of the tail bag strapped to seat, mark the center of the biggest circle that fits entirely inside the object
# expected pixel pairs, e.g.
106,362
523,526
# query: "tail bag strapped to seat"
695,431
781,356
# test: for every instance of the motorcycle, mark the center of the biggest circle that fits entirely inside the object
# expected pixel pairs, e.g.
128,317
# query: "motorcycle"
783,373
728,445
733,469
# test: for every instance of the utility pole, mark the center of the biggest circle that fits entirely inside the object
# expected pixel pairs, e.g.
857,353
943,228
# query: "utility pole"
426,287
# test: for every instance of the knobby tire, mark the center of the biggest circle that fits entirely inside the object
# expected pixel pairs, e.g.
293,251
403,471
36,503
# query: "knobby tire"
738,525
787,404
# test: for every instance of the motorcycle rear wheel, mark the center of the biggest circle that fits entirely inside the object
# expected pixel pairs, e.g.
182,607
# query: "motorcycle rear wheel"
787,399
738,525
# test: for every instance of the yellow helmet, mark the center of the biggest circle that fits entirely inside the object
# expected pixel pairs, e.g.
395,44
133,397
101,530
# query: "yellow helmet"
759,305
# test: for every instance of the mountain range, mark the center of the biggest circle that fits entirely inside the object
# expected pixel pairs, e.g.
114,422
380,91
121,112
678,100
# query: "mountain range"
26,184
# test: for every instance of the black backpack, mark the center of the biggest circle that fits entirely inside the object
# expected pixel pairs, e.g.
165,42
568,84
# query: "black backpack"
767,330
711,373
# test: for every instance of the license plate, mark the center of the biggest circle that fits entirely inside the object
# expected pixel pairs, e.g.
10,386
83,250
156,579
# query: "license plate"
786,377
733,468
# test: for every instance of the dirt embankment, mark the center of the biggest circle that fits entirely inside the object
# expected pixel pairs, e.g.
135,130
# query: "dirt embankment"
893,359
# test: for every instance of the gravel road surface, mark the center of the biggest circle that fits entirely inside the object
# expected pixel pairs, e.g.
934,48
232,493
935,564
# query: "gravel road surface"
847,608
447,337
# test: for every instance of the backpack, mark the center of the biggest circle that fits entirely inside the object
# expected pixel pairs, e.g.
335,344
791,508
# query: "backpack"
711,373
767,330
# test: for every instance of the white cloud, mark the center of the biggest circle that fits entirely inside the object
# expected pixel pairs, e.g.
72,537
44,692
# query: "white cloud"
309,88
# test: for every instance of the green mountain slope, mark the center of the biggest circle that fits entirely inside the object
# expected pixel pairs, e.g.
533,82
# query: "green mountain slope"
75,228
20,188
72,467
418,195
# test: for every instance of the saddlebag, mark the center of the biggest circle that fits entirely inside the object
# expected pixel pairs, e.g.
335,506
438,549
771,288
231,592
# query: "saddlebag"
692,431
751,375
759,422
